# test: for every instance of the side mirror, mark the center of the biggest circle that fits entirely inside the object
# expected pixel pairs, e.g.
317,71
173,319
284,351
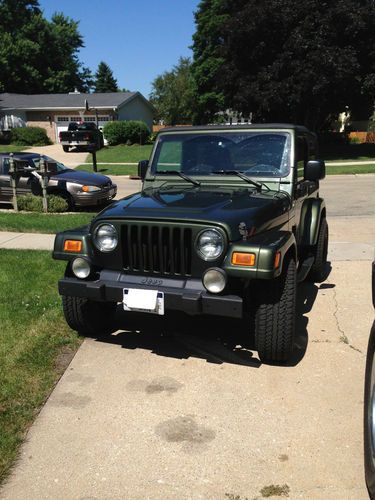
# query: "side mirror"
142,169
315,170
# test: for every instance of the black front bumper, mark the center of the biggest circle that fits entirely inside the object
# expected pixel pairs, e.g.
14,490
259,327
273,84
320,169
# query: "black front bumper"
187,295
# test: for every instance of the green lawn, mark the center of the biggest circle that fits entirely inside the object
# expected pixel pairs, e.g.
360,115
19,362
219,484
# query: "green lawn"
42,223
350,169
12,148
123,154
111,169
35,343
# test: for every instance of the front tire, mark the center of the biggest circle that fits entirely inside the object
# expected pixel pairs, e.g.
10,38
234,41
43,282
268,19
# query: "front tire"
89,317
369,416
317,273
275,316
66,149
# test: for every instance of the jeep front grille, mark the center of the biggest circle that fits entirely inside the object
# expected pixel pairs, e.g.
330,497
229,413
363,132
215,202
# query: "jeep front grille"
164,250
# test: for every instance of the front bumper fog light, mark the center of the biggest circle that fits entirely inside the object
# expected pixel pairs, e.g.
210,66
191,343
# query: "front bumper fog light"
214,280
81,268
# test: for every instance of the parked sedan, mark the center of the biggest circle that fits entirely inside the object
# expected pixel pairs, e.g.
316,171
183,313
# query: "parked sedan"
78,188
369,410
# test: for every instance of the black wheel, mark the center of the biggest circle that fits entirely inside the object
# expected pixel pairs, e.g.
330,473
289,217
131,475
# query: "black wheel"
89,317
369,416
318,271
66,149
275,315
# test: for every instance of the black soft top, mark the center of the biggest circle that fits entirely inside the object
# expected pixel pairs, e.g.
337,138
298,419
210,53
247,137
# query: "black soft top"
245,126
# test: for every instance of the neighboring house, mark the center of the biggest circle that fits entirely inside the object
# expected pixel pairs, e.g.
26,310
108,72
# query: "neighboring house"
53,112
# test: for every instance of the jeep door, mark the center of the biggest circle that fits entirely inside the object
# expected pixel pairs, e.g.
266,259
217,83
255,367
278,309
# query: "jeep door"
303,189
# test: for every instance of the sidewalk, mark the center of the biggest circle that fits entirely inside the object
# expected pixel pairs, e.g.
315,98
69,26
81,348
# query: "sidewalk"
30,241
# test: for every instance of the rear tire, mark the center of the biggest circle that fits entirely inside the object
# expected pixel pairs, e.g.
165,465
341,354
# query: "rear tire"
275,315
66,149
89,317
318,271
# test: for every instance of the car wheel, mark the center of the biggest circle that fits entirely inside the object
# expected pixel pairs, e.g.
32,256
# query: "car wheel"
318,271
89,317
369,416
275,315
66,149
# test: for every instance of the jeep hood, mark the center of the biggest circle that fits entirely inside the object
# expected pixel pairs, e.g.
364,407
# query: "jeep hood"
238,210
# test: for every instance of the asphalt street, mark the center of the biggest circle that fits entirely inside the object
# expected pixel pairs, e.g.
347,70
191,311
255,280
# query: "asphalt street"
181,408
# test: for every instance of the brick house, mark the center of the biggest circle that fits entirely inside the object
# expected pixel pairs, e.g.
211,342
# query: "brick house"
53,112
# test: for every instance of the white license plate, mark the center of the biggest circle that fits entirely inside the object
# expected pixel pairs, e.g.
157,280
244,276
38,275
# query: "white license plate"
148,301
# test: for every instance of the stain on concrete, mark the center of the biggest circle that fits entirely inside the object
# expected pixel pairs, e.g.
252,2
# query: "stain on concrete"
163,384
158,385
70,400
185,430
283,458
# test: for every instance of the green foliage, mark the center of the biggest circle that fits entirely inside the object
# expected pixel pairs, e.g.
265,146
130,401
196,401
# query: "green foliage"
32,203
300,62
126,132
37,55
173,94
29,136
104,79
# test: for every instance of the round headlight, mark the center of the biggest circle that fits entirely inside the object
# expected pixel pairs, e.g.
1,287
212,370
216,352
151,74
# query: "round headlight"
214,280
210,244
105,237
81,268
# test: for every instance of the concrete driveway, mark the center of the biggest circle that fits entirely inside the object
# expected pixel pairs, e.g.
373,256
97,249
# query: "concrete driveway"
177,408
56,152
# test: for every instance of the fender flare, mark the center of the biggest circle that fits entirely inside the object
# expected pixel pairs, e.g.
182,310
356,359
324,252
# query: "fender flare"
313,209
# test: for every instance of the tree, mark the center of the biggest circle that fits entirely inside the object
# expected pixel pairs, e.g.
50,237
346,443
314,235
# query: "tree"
173,95
104,79
37,55
282,60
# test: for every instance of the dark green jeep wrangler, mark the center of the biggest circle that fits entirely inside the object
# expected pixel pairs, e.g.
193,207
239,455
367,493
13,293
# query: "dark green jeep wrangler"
228,221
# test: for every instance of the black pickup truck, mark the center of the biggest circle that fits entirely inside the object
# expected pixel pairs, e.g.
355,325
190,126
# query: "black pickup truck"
228,221
83,136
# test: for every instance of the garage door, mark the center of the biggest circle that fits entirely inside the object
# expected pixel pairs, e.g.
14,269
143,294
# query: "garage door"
62,122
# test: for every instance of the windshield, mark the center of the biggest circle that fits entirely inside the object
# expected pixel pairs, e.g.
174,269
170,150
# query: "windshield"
255,153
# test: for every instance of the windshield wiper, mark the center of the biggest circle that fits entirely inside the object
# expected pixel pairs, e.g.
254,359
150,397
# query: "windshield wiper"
258,185
180,174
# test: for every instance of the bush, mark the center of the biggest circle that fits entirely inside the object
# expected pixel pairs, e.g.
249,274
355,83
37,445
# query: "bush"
29,136
126,132
31,203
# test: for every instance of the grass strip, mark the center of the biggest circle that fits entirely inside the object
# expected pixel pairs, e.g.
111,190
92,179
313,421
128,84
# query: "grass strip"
111,169
42,223
35,343
350,169
124,154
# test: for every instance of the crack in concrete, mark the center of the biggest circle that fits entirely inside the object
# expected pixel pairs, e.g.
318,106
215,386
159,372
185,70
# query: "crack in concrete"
343,338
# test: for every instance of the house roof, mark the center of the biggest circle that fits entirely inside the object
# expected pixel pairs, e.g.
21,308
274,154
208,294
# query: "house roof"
73,100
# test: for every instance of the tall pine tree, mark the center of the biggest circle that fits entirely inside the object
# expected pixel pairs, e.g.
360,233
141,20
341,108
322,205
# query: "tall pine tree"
104,79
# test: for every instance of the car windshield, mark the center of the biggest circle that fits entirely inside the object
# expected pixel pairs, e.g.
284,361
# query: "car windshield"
255,153
54,166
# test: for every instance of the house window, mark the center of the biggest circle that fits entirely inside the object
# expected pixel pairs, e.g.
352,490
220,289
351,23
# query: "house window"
75,119
90,119
62,118
103,118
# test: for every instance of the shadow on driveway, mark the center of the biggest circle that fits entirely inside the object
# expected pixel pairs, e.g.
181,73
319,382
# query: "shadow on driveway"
215,339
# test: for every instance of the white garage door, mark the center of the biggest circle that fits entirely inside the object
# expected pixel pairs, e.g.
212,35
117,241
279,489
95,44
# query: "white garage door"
62,122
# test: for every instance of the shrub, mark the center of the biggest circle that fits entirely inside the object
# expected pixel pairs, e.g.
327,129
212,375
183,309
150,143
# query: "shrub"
31,203
126,132
30,136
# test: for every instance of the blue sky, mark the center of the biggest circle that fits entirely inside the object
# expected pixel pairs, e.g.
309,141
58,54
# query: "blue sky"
139,39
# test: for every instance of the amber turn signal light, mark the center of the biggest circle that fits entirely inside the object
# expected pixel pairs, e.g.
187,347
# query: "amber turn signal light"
243,259
277,260
72,246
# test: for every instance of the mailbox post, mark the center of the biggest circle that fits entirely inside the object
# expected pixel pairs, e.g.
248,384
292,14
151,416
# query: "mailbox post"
13,182
43,173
